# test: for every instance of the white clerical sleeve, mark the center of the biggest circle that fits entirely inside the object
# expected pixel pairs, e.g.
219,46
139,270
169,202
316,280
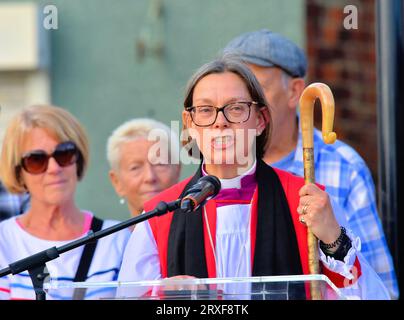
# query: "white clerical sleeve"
141,259
369,286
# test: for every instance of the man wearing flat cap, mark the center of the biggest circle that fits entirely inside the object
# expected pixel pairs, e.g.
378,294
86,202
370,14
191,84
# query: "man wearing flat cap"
280,67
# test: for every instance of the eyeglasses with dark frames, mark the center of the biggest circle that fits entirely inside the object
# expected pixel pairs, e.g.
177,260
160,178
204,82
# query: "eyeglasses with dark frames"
235,112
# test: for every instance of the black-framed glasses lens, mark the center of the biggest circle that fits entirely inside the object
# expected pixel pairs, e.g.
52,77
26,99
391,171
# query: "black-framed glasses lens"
236,112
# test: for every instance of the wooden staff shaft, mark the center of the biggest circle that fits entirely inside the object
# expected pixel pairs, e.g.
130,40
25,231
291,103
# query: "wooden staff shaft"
309,96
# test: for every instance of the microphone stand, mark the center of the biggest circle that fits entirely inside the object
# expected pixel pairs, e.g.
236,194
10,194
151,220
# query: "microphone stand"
36,264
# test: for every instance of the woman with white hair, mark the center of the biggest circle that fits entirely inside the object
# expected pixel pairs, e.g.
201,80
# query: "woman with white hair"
143,157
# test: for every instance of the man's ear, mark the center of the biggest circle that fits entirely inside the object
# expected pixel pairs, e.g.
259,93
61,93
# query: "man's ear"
296,87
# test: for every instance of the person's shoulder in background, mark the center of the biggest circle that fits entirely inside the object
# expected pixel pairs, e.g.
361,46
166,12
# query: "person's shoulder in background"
343,161
12,204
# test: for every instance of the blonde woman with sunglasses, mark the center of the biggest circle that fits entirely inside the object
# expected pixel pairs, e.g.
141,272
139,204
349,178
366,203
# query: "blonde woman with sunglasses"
45,152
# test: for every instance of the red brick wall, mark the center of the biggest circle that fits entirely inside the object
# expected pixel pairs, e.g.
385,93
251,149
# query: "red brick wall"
346,61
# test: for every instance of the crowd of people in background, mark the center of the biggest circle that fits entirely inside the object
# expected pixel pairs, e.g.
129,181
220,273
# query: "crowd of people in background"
255,84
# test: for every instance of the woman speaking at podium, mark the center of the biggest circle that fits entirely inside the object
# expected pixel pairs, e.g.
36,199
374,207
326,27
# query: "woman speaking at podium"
257,224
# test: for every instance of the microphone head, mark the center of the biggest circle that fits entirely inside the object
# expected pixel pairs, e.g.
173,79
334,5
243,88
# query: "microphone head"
207,187
214,181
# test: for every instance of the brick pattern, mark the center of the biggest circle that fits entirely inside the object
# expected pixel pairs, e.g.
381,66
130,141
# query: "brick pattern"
346,61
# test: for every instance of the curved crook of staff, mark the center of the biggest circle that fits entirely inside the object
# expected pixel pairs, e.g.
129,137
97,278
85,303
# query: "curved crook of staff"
313,92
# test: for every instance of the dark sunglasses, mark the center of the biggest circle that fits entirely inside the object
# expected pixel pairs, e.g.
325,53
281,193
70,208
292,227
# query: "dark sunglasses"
36,162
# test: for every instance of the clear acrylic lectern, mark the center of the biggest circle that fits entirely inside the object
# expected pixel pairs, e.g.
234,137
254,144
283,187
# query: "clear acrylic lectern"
295,287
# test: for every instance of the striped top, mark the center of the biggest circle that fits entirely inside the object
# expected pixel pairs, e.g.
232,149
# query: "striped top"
16,243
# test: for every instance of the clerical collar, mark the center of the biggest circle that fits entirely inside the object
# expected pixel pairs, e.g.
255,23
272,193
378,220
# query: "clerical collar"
246,180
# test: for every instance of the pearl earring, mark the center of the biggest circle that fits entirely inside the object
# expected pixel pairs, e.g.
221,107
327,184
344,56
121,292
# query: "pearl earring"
122,201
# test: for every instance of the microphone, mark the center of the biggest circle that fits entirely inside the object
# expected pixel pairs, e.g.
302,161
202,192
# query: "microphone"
206,187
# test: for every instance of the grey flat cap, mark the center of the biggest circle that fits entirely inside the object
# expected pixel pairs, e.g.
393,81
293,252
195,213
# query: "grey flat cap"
268,49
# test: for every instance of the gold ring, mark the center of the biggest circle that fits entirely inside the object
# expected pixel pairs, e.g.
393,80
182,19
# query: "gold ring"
302,220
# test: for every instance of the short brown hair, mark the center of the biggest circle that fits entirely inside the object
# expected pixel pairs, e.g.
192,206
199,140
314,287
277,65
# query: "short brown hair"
58,122
231,63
